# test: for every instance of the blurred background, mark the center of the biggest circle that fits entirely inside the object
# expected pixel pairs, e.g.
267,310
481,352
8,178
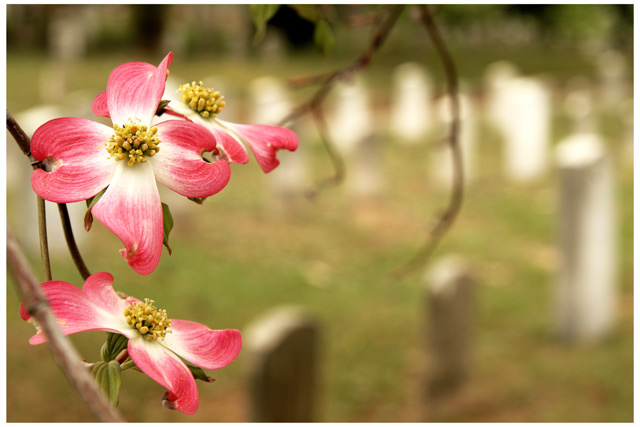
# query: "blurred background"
547,133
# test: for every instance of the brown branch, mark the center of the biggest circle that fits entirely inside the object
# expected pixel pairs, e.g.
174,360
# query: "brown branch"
64,353
71,241
327,80
447,218
24,142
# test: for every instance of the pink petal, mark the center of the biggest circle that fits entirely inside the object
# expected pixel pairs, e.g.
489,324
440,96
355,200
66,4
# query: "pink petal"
131,209
231,149
265,141
164,367
135,89
179,164
99,105
80,164
84,310
201,346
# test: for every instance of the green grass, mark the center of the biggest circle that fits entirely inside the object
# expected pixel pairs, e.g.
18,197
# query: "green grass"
234,258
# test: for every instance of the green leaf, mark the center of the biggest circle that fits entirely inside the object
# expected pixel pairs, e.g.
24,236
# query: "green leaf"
88,218
323,37
113,346
261,14
306,11
167,222
109,378
199,374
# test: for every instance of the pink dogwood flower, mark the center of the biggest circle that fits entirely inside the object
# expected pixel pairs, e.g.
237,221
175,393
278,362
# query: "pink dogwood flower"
82,157
193,102
154,341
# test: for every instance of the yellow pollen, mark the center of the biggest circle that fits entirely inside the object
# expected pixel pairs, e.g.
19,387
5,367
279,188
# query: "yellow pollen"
133,142
151,322
204,101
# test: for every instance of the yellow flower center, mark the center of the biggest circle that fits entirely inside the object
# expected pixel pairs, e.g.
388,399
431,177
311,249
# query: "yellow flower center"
151,322
133,142
204,101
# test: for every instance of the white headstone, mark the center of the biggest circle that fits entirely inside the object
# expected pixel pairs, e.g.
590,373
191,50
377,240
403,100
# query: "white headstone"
442,161
350,120
495,79
526,129
411,103
365,177
586,288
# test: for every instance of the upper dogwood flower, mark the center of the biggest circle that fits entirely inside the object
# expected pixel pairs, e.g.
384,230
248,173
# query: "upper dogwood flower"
154,341
201,105
83,157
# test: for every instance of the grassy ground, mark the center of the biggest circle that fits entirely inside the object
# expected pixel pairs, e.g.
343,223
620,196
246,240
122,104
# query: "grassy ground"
235,257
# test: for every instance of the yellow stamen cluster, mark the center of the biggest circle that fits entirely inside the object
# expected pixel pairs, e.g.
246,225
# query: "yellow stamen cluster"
206,102
133,142
150,321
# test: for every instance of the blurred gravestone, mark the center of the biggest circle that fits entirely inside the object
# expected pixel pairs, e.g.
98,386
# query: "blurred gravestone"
411,103
526,129
612,74
365,177
270,104
495,79
450,314
586,288
442,163
350,119
282,350
578,105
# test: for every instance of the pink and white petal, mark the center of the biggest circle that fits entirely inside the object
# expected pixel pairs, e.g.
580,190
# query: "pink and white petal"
99,288
231,148
77,312
131,209
201,346
135,89
75,149
99,106
265,141
165,368
179,164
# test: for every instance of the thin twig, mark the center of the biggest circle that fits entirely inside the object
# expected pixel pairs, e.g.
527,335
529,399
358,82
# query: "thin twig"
44,241
71,241
64,353
24,142
390,15
447,218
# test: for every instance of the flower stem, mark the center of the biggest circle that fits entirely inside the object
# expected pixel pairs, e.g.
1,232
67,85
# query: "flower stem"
44,242
63,352
71,242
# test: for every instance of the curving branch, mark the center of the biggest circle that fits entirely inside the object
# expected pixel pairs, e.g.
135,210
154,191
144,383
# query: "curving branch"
386,19
24,142
446,219
64,353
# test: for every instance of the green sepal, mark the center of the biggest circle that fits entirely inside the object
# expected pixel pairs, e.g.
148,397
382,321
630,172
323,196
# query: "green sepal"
88,218
261,14
323,36
167,225
109,378
113,346
198,200
163,104
198,373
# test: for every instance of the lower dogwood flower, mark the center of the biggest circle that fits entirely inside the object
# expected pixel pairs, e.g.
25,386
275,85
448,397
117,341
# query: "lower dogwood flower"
82,157
154,340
